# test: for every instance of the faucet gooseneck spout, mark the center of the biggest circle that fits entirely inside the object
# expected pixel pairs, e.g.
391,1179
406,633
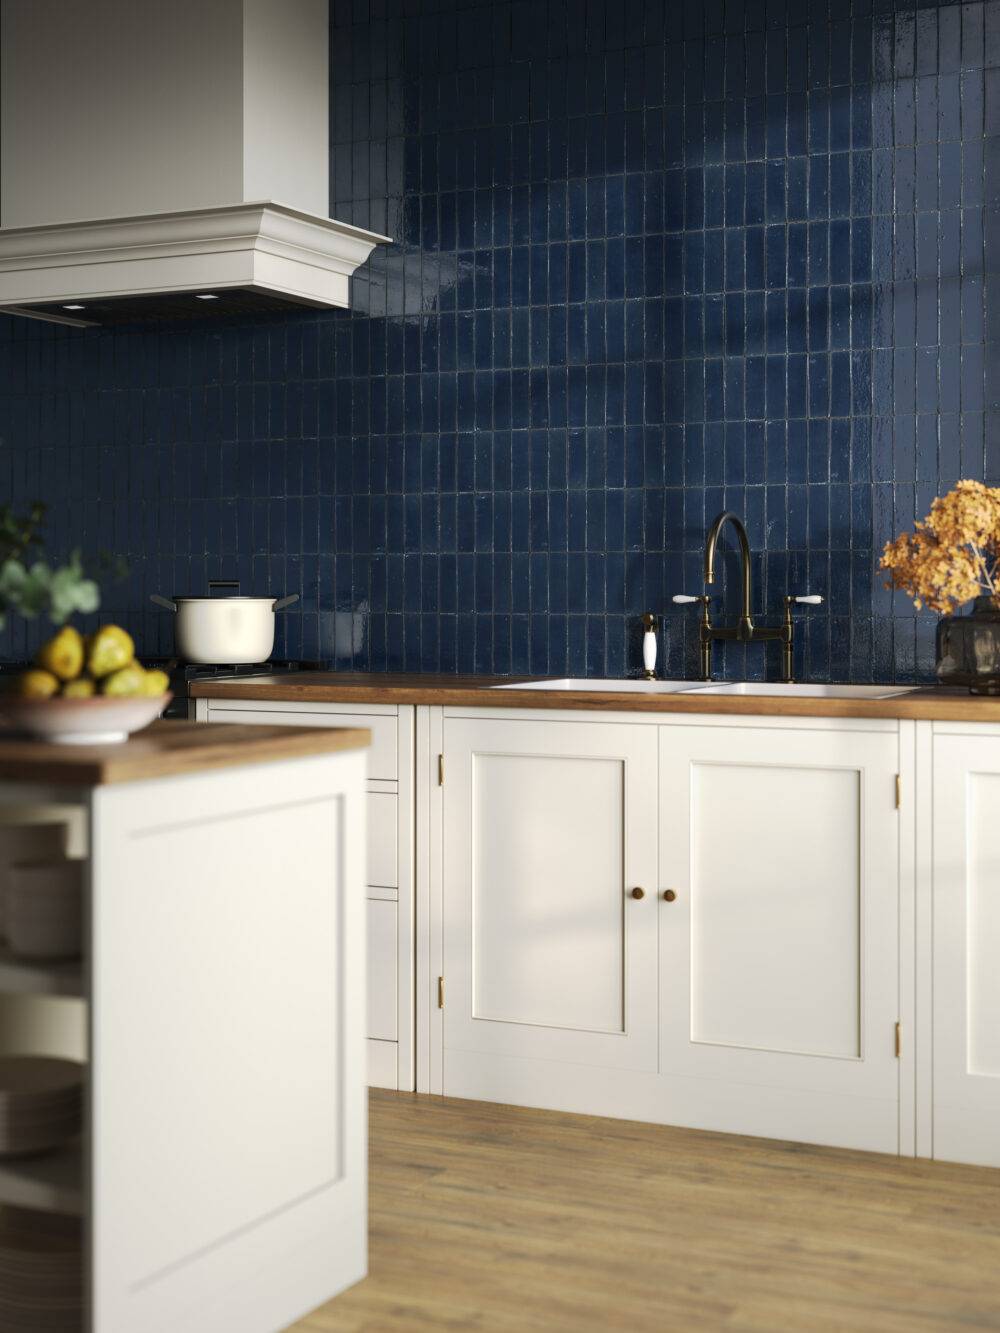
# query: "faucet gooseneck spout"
745,631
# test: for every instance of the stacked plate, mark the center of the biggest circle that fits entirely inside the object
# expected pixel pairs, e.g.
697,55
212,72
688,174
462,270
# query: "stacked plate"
41,1104
44,909
41,1272
27,842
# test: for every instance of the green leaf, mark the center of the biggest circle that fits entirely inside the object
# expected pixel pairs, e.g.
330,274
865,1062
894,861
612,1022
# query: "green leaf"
31,591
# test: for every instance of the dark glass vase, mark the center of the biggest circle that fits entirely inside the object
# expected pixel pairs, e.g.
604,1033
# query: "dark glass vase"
968,648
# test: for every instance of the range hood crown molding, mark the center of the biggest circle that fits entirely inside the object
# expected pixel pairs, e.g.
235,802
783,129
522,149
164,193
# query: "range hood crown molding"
228,255
193,225
257,247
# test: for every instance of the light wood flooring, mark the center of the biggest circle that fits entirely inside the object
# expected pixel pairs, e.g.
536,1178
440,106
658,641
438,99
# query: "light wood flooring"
493,1217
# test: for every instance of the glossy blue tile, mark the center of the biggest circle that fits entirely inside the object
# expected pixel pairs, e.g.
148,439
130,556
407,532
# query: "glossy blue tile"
641,260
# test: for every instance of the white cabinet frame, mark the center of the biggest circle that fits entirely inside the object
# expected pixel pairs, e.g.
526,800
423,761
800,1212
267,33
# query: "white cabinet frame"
391,772
421,853
964,1036
429,962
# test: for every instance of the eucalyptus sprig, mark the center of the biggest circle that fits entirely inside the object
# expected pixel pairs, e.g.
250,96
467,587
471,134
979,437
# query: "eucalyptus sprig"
34,587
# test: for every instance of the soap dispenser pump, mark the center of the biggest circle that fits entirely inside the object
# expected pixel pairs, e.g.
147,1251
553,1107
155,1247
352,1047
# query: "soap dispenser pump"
649,624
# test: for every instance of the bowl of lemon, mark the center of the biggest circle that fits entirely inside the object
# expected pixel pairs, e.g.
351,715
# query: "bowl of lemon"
85,690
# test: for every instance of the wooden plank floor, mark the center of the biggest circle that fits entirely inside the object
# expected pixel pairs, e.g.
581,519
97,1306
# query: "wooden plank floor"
493,1217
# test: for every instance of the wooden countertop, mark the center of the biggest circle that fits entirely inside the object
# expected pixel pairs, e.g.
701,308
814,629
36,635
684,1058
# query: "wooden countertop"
168,748
932,703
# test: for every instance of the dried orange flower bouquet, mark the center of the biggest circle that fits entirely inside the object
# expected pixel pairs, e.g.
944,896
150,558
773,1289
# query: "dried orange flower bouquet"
954,554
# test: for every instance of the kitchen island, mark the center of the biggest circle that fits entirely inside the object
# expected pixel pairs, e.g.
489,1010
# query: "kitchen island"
762,914
222,1171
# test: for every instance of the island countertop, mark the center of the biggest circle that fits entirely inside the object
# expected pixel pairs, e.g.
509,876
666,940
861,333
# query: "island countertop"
931,703
165,749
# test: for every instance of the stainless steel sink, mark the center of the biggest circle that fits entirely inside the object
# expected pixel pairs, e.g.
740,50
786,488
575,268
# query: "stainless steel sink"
767,690
604,686
733,689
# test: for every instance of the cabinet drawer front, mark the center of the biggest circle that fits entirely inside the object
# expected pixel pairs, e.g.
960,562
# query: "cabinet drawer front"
383,862
382,760
382,1023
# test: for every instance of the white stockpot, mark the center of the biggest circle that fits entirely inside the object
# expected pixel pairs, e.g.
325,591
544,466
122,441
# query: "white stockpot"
224,630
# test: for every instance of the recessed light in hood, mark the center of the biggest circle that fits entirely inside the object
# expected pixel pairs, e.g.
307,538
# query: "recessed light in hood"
174,306
168,161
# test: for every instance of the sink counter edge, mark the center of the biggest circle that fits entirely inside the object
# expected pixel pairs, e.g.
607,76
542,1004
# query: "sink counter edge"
933,703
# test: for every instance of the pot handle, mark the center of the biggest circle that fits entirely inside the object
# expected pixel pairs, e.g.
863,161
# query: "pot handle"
165,602
282,602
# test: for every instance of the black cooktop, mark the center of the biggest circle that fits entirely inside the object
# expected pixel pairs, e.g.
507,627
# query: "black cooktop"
182,673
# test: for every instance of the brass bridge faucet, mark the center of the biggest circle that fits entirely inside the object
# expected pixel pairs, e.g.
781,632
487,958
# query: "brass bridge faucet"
745,631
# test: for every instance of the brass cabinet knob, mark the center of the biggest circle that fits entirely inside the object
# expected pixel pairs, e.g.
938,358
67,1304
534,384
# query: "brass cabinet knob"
638,893
669,895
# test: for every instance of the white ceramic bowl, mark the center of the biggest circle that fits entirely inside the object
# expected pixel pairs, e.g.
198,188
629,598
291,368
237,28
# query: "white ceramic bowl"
44,909
102,720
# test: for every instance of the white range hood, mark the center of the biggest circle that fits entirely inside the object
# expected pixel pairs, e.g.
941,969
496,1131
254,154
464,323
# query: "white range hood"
167,160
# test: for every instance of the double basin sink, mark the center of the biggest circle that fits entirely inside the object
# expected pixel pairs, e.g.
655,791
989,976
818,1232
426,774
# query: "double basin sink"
745,688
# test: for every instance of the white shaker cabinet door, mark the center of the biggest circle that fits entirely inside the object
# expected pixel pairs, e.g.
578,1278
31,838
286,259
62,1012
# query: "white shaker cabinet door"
549,827
228,1113
966,967
778,949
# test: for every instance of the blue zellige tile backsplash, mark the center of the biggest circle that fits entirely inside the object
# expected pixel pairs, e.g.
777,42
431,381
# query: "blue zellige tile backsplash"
652,259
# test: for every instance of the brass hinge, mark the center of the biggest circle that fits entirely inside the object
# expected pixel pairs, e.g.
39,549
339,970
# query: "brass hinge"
440,992
899,790
440,770
899,1039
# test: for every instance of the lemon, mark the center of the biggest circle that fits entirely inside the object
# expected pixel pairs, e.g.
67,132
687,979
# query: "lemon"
126,682
110,650
156,683
63,654
81,688
37,684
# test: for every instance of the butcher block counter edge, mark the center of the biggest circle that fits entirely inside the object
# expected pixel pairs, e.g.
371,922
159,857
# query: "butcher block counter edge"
931,704
165,749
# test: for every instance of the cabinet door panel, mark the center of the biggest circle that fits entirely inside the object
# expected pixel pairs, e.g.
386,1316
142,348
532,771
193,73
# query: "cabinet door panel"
779,954
966,1059
547,828
548,903
247,1079
775,909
